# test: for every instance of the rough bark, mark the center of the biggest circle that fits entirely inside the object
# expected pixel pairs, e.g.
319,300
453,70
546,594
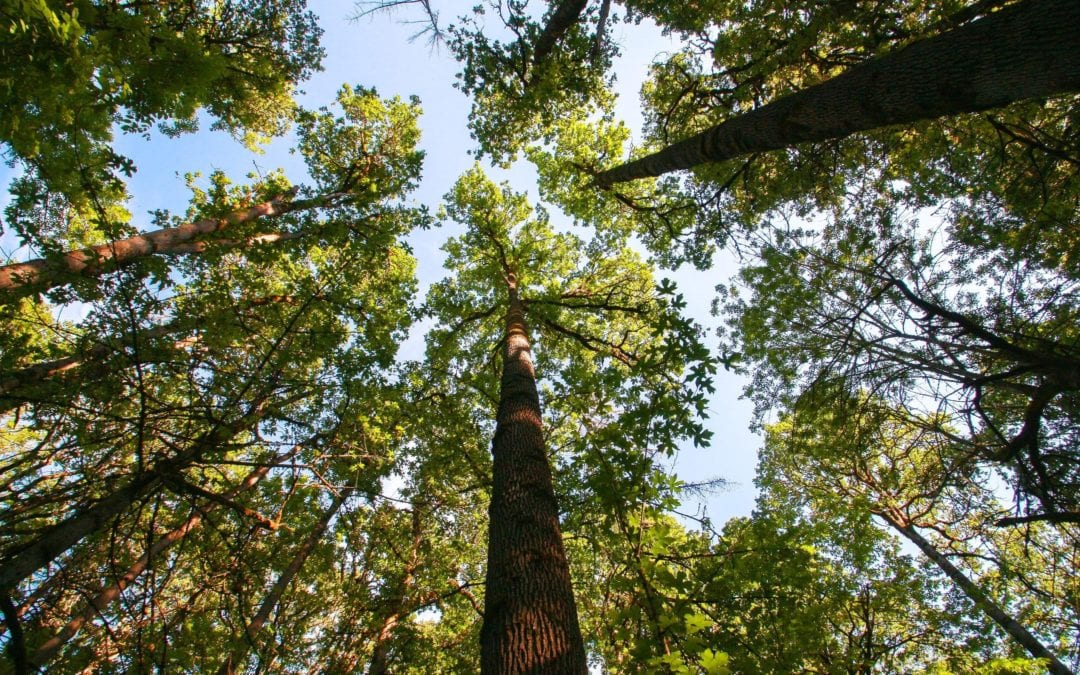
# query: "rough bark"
111,592
1027,50
530,618
273,597
19,279
1015,629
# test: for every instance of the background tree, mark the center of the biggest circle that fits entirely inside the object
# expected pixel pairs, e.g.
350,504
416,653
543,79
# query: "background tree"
915,322
914,484
544,70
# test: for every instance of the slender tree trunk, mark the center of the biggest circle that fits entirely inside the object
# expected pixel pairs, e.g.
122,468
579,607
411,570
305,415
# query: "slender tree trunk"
37,373
19,279
16,643
1028,50
110,593
530,619
62,536
380,661
601,33
273,597
566,14
30,376
1010,625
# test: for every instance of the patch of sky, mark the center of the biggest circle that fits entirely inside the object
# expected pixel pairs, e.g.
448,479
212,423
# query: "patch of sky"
376,52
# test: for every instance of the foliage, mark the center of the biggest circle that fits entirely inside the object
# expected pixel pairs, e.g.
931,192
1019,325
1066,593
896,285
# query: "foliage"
518,92
242,472
71,73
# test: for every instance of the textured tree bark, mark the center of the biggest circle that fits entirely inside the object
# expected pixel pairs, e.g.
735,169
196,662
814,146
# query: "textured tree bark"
19,279
1027,50
273,597
530,619
111,592
1015,629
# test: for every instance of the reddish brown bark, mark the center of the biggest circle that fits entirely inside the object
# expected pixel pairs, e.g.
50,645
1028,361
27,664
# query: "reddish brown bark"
530,618
1027,50
20,279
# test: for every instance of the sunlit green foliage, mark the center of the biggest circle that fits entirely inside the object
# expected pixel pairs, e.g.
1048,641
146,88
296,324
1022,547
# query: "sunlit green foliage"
905,312
76,73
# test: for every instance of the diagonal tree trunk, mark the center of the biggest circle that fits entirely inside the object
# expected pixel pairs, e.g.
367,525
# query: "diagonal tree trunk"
111,592
19,279
1028,50
69,532
530,619
1014,628
39,372
273,597
566,14
14,385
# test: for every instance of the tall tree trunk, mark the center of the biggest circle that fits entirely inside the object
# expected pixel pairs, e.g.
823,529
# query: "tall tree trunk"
566,14
62,536
1028,50
19,279
273,597
399,601
1010,625
111,592
530,619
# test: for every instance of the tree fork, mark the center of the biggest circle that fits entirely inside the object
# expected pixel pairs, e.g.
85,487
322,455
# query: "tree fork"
530,618
1027,50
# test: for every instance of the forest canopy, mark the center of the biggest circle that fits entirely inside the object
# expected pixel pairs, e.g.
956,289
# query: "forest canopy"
252,435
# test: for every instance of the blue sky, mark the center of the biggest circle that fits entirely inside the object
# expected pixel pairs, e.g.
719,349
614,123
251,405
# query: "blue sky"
376,52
